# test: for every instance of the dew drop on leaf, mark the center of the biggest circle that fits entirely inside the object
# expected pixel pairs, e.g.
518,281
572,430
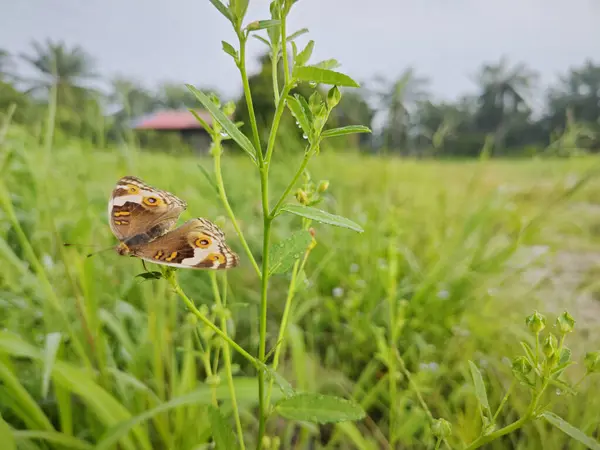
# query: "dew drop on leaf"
304,136
312,84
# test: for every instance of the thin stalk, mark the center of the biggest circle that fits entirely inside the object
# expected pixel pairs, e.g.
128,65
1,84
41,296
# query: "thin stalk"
263,327
228,371
227,206
173,282
482,440
275,126
298,266
291,185
504,400
286,69
274,75
392,338
248,96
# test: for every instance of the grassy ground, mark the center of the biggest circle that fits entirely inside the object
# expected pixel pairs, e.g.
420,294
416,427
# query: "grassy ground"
85,346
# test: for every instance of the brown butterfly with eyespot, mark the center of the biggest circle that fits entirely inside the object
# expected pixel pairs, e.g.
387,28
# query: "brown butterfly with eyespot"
143,219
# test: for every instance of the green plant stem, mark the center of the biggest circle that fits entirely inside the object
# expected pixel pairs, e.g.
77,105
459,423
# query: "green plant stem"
504,400
173,282
263,326
274,75
298,267
286,69
248,97
291,185
482,440
275,126
227,206
227,354
392,337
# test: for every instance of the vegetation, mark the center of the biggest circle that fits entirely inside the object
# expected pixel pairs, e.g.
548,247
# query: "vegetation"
401,328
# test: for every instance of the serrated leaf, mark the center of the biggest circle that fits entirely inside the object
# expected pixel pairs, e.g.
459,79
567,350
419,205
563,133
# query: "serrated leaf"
350,129
318,408
150,275
317,75
303,57
221,431
480,389
295,34
529,353
225,122
229,49
570,430
299,114
50,350
6,436
322,216
284,254
329,64
222,9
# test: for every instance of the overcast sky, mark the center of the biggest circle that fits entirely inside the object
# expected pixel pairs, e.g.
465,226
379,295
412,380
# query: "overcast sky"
180,40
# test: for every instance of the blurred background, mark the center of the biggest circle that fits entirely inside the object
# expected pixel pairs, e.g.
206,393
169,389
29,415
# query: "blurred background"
477,186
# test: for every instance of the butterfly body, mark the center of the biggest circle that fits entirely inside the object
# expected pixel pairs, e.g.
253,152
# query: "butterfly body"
143,219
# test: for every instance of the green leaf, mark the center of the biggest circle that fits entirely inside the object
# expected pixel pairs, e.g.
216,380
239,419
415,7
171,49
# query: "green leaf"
480,389
570,430
350,129
305,54
565,356
297,110
50,350
528,352
319,408
222,9
228,48
241,6
225,122
284,254
284,385
262,39
150,275
63,441
295,34
221,431
322,216
6,436
329,64
262,24
318,75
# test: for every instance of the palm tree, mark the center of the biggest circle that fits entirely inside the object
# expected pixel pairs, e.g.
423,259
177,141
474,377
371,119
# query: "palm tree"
397,100
66,69
505,95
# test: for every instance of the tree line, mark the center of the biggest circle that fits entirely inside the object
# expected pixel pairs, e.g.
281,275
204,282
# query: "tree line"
503,116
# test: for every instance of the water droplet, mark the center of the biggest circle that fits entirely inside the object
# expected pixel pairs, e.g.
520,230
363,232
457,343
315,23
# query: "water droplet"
558,392
312,84
224,134
304,136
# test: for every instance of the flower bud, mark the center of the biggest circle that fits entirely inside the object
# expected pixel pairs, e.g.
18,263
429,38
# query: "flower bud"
229,108
441,428
323,185
301,197
565,323
266,442
549,346
520,368
333,97
592,362
536,322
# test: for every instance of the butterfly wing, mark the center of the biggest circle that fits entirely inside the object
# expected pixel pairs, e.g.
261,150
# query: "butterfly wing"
197,244
138,212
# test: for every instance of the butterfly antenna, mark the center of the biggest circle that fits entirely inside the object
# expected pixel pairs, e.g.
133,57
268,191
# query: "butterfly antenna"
89,255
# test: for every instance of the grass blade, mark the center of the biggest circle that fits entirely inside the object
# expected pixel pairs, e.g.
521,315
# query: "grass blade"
570,430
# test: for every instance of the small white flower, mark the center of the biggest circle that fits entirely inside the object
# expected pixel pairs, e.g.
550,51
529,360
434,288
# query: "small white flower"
337,292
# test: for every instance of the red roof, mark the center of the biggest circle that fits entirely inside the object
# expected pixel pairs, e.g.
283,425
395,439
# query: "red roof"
172,120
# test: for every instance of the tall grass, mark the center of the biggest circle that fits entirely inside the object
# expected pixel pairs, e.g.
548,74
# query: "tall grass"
91,355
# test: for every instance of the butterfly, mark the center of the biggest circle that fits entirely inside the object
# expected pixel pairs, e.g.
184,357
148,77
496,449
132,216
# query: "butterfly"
143,219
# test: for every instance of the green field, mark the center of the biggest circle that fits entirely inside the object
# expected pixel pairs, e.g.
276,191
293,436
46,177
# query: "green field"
470,249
